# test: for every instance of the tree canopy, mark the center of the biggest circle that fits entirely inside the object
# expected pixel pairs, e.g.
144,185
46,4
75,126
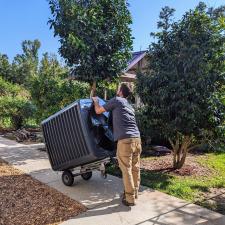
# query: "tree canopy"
35,89
94,34
185,74
24,65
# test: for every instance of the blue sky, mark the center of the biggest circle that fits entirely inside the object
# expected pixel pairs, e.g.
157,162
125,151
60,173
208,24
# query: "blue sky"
27,20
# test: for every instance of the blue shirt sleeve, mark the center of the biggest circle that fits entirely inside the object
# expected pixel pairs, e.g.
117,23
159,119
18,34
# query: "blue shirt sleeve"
110,105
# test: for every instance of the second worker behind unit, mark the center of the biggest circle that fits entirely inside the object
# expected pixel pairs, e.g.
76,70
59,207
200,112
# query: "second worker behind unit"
127,134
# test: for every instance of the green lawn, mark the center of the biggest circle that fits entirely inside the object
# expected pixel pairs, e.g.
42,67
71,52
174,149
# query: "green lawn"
190,188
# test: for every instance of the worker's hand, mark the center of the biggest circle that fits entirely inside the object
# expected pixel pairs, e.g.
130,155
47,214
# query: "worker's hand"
95,99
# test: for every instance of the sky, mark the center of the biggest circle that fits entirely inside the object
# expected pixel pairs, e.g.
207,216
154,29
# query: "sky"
27,20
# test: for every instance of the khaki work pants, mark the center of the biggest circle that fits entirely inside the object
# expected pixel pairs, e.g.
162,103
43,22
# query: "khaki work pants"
128,155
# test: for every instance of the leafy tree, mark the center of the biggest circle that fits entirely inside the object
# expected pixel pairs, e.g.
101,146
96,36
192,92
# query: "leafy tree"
25,65
5,67
186,72
50,91
95,36
107,90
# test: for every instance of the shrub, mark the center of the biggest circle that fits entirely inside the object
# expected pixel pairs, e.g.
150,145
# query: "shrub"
17,108
7,88
14,103
184,77
52,94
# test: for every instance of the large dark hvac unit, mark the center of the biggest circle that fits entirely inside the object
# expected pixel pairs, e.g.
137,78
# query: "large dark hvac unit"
77,137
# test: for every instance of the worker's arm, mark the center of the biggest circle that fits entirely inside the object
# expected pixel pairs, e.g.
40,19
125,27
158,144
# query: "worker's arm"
98,109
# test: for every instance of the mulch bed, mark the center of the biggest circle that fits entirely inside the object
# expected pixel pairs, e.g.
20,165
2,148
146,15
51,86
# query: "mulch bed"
24,200
164,164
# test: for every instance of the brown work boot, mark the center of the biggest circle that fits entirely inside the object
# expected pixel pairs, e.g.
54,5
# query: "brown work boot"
126,203
123,195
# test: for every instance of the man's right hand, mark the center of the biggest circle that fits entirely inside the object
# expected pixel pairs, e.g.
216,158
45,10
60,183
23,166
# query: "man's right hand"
98,109
95,99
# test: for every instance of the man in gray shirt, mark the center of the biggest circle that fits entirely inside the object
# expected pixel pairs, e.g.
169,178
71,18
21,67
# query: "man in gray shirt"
126,132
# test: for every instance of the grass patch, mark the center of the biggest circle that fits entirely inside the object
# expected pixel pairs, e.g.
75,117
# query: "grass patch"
190,188
215,161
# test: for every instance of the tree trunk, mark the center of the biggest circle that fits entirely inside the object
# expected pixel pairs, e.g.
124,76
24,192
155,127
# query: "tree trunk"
180,150
17,122
105,94
93,89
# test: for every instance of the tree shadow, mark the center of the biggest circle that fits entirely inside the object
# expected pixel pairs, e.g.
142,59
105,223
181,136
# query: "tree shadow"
155,178
200,188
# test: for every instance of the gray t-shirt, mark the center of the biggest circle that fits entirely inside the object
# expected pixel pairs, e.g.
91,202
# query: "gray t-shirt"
124,123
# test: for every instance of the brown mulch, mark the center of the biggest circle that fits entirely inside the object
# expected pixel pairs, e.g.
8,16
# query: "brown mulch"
24,200
164,164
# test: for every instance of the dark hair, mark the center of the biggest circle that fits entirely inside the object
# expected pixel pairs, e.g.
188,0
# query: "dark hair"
126,91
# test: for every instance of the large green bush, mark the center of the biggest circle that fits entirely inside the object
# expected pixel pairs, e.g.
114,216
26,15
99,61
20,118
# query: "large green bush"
14,103
17,109
51,91
7,88
149,134
52,94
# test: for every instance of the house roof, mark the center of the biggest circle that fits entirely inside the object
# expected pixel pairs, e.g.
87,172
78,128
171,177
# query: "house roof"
129,76
136,57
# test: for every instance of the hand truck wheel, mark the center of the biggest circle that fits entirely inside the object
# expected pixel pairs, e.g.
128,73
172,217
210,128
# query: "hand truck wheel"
67,178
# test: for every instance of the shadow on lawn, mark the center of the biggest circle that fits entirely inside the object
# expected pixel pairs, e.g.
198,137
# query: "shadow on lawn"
156,179
199,187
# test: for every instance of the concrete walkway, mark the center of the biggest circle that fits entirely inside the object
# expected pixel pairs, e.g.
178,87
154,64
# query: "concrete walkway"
102,197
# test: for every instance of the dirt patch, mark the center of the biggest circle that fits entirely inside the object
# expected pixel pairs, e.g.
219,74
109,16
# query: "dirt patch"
24,136
9,130
5,130
25,200
164,164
